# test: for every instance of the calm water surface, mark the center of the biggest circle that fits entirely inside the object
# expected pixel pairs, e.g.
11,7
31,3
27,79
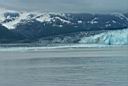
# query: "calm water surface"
65,68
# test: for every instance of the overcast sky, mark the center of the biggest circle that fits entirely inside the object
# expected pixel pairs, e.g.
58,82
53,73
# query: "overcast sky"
67,5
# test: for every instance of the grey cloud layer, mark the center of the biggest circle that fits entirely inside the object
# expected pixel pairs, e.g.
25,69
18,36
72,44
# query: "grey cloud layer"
68,5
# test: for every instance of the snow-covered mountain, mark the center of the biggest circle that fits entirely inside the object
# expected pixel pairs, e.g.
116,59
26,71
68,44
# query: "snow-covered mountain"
11,19
34,26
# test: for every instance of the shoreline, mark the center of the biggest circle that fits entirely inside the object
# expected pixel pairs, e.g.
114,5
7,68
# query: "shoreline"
66,53
57,46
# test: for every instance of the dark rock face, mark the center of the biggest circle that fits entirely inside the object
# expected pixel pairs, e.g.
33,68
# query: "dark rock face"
7,36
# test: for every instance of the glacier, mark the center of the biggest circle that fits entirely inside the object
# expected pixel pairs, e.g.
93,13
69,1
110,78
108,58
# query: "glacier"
118,37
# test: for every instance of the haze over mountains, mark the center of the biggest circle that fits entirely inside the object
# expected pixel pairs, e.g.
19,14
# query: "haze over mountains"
26,27
77,6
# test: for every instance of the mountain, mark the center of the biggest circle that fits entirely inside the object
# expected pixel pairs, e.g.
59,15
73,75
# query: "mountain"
34,26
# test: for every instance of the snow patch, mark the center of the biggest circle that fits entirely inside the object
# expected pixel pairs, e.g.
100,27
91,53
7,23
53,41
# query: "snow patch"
108,25
44,18
63,20
93,21
54,25
80,22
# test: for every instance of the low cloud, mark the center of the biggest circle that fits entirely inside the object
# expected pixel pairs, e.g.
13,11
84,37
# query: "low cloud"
67,5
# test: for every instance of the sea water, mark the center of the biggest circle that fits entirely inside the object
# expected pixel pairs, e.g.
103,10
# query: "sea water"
65,67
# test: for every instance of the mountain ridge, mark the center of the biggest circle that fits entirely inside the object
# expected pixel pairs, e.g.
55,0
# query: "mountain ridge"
31,26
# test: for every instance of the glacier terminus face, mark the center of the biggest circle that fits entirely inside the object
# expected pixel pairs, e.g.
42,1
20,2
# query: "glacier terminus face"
118,37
